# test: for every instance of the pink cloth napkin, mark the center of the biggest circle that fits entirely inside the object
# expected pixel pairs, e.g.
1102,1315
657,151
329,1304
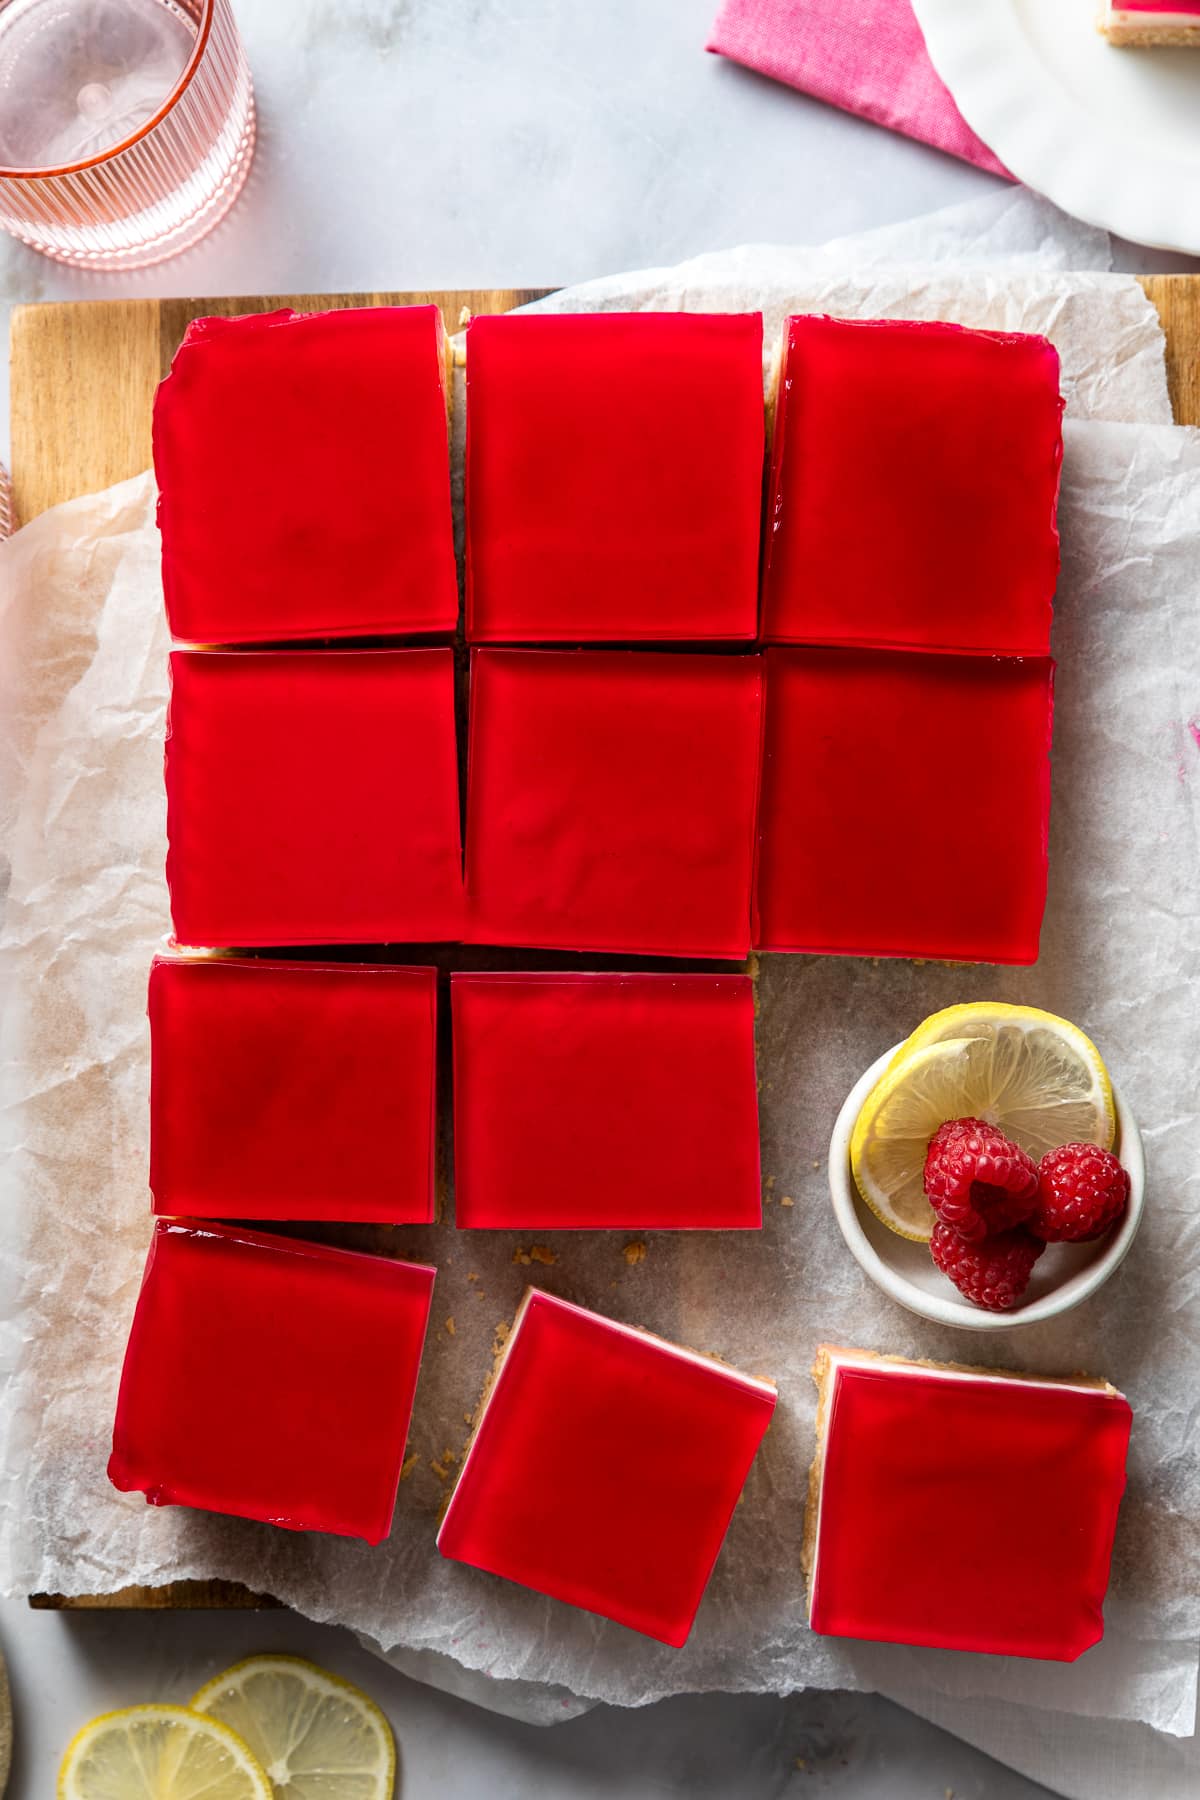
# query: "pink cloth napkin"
866,56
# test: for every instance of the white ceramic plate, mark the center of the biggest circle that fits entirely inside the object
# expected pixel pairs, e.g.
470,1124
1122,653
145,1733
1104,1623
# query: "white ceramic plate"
1110,135
1063,1275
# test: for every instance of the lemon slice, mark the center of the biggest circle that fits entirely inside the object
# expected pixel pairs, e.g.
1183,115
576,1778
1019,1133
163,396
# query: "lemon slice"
159,1753
314,1734
1035,1076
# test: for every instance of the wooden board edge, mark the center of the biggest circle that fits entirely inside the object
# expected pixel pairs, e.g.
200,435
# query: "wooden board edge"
174,1595
1176,298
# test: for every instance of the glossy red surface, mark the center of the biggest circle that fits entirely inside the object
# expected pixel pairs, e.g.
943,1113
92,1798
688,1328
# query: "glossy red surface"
611,800
605,1101
270,1378
606,1468
312,797
971,1514
304,477
914,488
614,477
292,1090
905,804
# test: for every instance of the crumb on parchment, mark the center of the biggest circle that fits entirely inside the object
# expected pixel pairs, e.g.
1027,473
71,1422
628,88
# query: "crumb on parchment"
536,1253
409,1464
450,1325
786,1200
634,1252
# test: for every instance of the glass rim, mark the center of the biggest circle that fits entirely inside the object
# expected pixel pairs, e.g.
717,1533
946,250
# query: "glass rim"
49,172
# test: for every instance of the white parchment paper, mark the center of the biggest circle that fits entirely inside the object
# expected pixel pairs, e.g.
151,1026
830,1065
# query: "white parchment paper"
83,673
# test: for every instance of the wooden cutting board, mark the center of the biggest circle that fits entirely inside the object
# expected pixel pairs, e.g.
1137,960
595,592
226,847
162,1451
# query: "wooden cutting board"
83,375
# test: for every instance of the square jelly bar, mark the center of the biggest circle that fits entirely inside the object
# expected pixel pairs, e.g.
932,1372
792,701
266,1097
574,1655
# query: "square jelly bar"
304,477
312,797
611,800
605,1101
905,804
292,1090
965,1508
914,488
614,477
270,1378
605,1467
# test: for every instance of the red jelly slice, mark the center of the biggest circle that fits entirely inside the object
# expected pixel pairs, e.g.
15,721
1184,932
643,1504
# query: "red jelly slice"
914,488
614,477
270,1378
605,1468
611,800
969,1511
292,1090
312,797
905,804
605,1101
304,477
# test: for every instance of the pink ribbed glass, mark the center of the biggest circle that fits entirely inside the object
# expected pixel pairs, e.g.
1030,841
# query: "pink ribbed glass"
176,165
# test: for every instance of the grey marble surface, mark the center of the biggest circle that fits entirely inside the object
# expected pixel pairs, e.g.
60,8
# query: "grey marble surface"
412,143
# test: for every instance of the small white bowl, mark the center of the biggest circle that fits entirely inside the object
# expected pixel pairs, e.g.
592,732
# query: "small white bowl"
1063,1275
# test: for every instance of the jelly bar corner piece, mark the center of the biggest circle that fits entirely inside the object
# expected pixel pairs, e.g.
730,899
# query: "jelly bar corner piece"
292,1090
605,1467
914,488
304,477
614,477
612,800
1150,24
879,768
312,798
965,1509
270,1378
605,1102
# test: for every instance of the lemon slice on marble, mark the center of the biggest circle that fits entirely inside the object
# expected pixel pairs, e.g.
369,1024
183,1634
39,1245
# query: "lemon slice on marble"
159,1753
314,1734
1036,1077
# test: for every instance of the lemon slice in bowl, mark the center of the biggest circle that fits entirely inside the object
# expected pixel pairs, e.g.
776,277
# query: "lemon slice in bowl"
1036,1077
1046,1084
313,1733
167,1751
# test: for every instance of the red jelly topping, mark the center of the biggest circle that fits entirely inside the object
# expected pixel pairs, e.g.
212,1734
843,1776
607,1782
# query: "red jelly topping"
292,1090
914,488
304,477
614,477
905,804
270,1378
611,800
605,1468
312,797
969,1513
602,1101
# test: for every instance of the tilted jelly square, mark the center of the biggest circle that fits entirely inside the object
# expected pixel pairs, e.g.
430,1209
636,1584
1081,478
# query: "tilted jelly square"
605,1467
914,488
312,797
905,804
614,477
605,1101
964,1508
304,477
292,1090
270,1378
611,800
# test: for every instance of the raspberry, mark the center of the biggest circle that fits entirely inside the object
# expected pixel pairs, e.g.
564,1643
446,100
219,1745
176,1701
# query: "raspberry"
995,1273
976,1180
1082,1191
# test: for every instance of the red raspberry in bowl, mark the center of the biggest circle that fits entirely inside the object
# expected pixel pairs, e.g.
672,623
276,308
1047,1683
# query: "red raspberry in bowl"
976,1180
1082,1191
993,1273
